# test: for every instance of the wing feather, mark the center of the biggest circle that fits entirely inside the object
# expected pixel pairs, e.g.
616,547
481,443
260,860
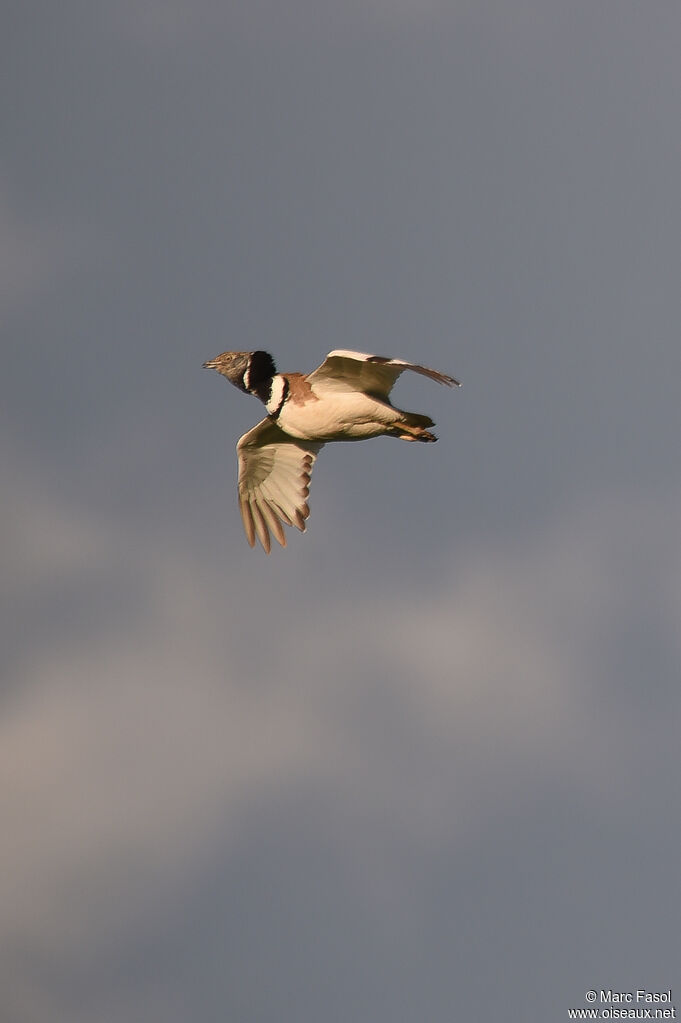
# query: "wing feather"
277,503
260,525
274,482
247,519
373,374
282,490
271,518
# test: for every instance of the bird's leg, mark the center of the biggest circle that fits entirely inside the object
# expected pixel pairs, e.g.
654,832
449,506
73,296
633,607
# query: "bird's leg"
404,431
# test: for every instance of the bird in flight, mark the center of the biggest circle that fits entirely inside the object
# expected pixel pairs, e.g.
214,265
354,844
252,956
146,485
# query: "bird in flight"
346,398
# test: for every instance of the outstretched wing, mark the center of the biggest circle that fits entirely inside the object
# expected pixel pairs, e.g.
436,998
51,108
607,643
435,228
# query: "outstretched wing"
372,374
274,478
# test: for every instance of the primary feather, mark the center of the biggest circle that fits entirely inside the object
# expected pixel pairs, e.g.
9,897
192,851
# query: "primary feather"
274,478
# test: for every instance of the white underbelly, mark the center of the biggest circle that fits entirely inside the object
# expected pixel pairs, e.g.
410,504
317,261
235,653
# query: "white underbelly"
337,416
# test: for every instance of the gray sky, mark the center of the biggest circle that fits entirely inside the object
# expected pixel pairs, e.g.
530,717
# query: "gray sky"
423,764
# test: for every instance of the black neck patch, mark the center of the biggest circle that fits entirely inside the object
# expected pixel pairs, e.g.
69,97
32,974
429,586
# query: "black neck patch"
259,374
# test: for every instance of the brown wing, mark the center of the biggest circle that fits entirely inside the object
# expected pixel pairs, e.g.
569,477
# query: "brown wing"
274,479
372,374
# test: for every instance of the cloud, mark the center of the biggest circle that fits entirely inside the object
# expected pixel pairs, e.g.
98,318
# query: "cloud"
133,749
156,24
35,251
178,26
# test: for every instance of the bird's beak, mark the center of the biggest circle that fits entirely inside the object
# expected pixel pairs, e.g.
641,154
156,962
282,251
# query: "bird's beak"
211,364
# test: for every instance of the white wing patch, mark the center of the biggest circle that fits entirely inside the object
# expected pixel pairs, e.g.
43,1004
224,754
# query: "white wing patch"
372,374
274,482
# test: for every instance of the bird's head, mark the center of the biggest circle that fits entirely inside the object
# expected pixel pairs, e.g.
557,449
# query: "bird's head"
246,370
